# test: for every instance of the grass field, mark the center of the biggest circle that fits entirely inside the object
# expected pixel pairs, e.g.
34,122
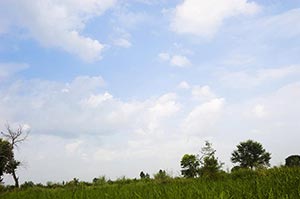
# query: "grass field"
277,183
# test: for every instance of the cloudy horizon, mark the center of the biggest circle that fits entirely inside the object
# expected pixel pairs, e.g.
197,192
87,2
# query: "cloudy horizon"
115,87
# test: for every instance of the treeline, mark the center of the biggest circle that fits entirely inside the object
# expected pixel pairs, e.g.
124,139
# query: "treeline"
249,156
281,182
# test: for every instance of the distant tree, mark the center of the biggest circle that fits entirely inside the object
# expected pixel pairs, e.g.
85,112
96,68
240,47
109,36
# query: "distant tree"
293,161
209,164
162,176
6,154
251,154
147,176
142,175
14,137
27,184
190,166
100,180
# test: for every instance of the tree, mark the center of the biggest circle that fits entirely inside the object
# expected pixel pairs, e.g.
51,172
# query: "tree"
190,166
14,137
209,163
5,155
142,175
251,154
292,161
162,176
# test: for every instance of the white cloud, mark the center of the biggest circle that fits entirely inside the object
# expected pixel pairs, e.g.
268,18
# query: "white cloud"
9,69
204,18
203,117
202,92
73,147
122,42
183,85
96,100
165,106
164,56
141,134
283,25
260,111
58,23
180,61
175,60
244,79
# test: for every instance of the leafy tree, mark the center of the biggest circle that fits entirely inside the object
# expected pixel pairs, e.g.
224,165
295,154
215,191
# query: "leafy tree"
209,163
5,155
293,161
251,154
144,176
14,137
190,166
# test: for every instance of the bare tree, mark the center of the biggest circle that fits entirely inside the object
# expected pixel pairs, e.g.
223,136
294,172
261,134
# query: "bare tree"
14,137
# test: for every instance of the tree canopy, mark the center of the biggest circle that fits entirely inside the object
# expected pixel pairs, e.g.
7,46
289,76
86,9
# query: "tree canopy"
251,154
189,164
210,164
6,154
293,161
13,138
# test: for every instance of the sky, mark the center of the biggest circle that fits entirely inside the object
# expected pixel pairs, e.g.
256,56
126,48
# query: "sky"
115,87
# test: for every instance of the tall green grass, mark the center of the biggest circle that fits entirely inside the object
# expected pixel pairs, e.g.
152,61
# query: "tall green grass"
280,183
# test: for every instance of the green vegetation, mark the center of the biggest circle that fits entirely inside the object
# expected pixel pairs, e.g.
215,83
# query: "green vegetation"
203,165
202,178
292,161
8,163
251,154
274,183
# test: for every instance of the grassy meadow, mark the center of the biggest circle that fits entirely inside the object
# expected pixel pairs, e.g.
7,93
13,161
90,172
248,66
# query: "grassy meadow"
277,183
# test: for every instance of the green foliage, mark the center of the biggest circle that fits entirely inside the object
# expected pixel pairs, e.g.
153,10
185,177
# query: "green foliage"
292,161
144,176
11,166
251,154
245,183
189,165
162,176
99,181
123,180
210,166
14,137
27,184
6,155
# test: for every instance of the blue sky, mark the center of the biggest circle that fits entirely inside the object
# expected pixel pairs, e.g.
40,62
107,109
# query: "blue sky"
113,87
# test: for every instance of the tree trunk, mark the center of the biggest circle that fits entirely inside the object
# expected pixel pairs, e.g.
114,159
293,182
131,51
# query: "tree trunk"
16,179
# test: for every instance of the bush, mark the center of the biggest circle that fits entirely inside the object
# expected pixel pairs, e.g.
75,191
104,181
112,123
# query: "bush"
27,184
100,181
162,176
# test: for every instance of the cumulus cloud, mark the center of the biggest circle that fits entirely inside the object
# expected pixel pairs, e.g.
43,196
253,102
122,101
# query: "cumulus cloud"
90,126
203,117
204,18
57,23
246,79
202,92
175,60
